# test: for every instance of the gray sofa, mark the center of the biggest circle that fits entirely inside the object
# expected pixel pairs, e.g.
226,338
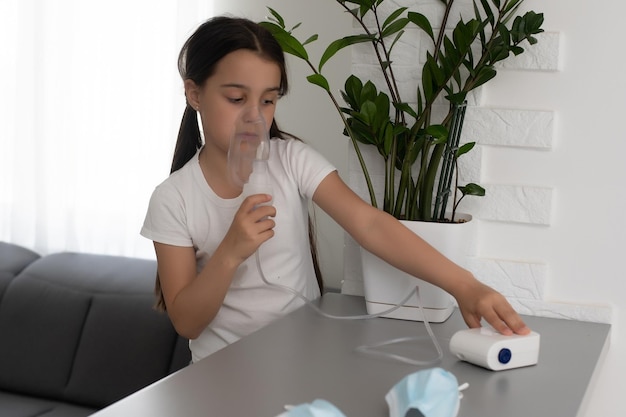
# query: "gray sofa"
78,332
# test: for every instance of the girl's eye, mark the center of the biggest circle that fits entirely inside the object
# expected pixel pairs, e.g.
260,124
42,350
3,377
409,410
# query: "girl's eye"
270,100
235,99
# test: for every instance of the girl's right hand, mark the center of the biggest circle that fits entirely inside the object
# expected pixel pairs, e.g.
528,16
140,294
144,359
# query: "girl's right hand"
252,225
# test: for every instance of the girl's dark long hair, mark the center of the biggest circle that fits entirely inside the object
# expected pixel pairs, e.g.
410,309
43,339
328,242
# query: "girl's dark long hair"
214,39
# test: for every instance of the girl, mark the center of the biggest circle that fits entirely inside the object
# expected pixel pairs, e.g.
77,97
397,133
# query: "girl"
205,231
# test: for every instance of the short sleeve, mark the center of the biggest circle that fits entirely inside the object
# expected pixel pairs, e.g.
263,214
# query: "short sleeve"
305,164
165,220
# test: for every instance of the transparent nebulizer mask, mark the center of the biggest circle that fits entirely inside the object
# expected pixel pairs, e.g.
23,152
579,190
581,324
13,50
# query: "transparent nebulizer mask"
248,153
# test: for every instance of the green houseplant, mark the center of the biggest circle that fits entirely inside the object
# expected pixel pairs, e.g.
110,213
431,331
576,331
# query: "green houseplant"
419,145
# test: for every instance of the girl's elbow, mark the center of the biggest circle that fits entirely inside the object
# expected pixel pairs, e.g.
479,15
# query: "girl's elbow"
186,329
189,334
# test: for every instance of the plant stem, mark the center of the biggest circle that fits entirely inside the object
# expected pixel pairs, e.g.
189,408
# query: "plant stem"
355,143
390,85
456,188
442,29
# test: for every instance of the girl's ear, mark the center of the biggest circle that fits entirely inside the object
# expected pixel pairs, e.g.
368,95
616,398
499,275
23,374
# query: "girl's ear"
192,92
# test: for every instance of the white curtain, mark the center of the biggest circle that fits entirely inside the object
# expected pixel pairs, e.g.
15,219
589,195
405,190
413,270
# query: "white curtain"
90,104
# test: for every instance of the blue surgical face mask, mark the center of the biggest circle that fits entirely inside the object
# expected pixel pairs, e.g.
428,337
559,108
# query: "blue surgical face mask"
428,393
432,392
318,408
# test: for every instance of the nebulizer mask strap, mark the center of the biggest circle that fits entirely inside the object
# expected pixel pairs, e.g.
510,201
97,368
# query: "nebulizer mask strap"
248,154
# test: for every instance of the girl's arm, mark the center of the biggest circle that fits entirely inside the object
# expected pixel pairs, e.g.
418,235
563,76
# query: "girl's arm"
381,234
193,299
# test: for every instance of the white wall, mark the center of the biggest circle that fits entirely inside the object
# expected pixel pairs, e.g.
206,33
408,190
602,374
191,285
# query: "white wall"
584,245
582,241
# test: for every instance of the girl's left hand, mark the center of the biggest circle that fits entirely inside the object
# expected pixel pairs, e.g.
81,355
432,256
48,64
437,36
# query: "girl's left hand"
252,225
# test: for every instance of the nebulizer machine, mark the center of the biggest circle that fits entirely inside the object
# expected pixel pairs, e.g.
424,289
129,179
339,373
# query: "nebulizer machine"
248,156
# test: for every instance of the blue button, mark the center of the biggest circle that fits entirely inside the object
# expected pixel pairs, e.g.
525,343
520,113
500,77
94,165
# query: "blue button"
504,356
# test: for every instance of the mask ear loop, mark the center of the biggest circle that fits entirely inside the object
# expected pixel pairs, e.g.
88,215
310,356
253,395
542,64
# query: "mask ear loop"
372,349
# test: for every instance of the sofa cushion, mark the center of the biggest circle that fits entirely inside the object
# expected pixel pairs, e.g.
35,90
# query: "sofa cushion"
36,356
13,259
88,333
146,342
15,405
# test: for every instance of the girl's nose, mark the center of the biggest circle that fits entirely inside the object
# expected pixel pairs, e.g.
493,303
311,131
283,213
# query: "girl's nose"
251,114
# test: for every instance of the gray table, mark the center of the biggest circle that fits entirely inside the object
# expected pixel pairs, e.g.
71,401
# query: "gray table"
305,356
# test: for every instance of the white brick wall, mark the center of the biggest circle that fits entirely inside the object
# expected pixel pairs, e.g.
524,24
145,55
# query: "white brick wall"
519,130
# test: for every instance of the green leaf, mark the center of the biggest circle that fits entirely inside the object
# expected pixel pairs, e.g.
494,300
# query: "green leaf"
463,36
534,22
485,74
320,80
472,189
465,148
352,93
395,40
517,49
368,111
366,7
511,11
292,46
393,16
312,38
405,107
387,139
511,5
433,77
428,79
361,131
369,92
457,98
422,22
453,54
487,9
278,17
395,27
287,42
339,44
414,148
439,133
382,110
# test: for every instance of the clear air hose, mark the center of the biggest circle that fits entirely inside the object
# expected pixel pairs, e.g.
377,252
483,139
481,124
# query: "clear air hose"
247,160
370,349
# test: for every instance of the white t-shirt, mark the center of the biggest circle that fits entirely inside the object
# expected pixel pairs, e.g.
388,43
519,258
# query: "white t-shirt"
184,211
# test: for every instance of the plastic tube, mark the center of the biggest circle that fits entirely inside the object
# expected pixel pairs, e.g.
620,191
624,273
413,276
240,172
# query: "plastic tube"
370,349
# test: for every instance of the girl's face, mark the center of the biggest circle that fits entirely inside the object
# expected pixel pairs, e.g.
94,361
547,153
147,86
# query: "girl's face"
242,79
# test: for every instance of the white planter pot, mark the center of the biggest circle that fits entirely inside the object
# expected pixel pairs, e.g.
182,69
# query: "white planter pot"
385,286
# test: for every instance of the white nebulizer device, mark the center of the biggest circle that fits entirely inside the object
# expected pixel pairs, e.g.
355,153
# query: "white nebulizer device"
487,348
248,153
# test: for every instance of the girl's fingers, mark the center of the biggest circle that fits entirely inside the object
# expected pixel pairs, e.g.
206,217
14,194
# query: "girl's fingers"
504,319
512,320
254,201
494,308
